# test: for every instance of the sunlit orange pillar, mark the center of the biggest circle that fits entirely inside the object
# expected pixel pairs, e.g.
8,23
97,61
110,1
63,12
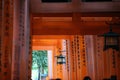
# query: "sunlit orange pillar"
83,57
104,63
78,59
65,46
72,59
54,63
59,68
91,49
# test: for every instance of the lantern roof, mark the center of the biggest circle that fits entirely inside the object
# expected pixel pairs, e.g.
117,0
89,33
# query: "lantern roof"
60,56
111,34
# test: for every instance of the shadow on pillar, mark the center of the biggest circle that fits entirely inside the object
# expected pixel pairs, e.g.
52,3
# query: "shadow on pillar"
114,77
106,79
56,79
87,78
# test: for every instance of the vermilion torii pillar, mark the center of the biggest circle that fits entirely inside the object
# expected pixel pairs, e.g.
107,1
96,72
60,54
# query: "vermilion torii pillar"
14,40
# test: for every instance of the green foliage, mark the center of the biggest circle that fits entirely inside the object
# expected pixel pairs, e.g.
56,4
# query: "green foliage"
39,59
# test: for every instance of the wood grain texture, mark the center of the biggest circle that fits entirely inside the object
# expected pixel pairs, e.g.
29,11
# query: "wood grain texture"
74,6
1,26
77,25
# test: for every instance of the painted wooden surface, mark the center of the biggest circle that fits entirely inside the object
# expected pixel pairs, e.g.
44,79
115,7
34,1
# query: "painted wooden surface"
7,41
74,6
75,23
21,38
1,26
84,57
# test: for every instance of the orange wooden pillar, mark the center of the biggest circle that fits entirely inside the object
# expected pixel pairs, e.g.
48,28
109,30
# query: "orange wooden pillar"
59,67
6,32
78,58
24,30
65,48
112,64
54,63
67,68
68,58
72,59
1,26
89,56
21,63
62,70
100,60
16,45
95,57
118,65
105,63
83,57
14,39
